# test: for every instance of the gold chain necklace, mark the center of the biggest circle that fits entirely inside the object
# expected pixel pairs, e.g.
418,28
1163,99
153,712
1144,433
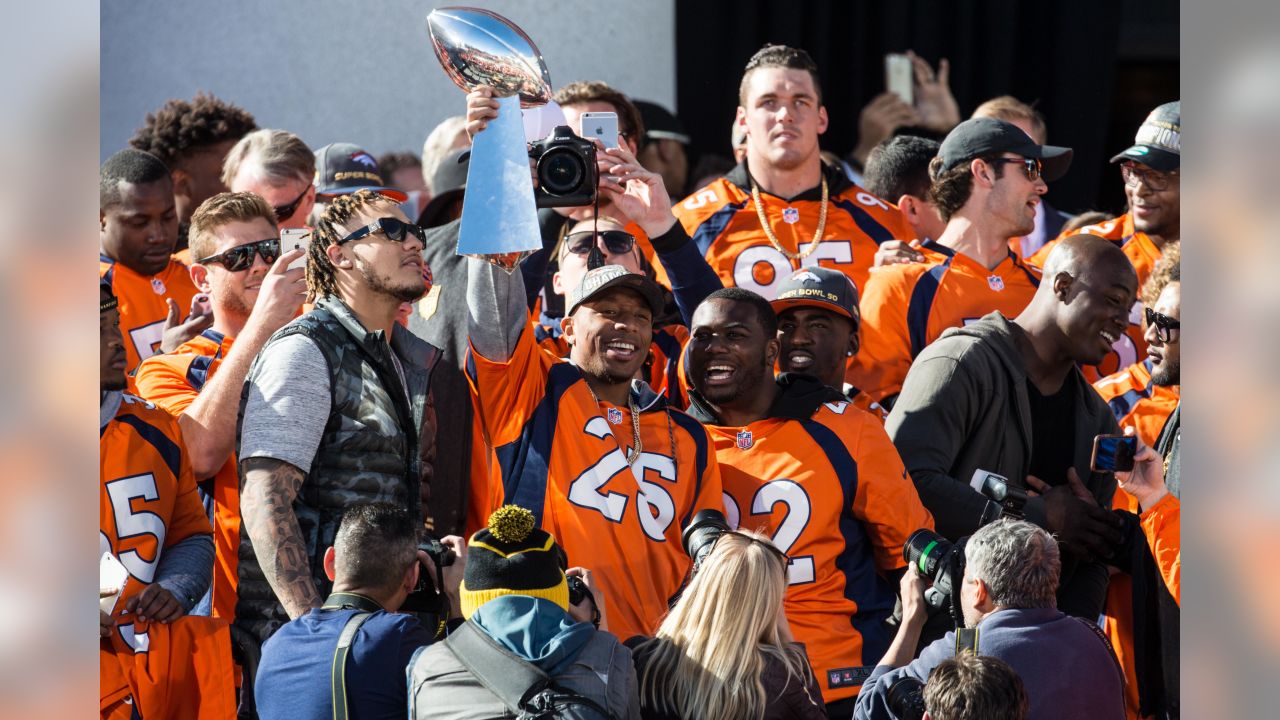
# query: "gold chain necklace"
773,239
634,453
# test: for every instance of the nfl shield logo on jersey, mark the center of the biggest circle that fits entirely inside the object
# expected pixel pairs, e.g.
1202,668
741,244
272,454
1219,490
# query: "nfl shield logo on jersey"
996,283
615,416
791,216
157,286
745,440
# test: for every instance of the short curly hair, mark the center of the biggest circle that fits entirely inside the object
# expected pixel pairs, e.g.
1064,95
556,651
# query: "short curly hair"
1168,270
180,129
321,276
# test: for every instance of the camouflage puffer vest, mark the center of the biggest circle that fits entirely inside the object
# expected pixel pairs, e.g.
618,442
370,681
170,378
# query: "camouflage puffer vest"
370,450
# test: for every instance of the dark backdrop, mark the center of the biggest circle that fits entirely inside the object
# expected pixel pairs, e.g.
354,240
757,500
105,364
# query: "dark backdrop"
1093,67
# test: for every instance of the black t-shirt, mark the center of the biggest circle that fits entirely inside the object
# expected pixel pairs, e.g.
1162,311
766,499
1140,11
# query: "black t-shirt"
1053,434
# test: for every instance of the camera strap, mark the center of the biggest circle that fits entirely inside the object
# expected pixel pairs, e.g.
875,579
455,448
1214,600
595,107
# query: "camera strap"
338,671
966,641
345,600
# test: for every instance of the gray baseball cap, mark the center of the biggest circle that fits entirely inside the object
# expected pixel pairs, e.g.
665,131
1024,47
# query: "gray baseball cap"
1157,144
596,282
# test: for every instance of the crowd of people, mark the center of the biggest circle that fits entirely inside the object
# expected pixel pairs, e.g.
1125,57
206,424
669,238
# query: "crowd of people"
678,463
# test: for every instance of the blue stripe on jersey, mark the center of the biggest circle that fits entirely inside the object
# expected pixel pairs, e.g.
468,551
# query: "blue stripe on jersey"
1035,281
543,332
921,304
168,449
862,584
525,462
865,222
670,347
198,371
110,275
711,228
699,434
1123,404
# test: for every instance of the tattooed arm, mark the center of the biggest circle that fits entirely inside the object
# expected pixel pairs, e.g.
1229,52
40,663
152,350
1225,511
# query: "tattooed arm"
266,507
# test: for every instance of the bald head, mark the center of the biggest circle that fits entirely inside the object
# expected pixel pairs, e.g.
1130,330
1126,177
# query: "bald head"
1078,255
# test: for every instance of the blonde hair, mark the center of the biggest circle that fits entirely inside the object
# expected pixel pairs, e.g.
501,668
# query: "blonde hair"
706,660
1010,109
223,208
275,157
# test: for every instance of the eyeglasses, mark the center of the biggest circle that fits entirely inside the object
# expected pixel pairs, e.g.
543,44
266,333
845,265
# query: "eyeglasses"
1165,326
1031,166
240,257
396,231
1153,179
616,242
284,212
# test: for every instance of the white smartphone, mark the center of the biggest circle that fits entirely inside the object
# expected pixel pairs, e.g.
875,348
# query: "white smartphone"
112,577
299,238
898,76
602,126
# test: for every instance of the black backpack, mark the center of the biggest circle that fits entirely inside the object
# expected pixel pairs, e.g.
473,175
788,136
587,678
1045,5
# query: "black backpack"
523,687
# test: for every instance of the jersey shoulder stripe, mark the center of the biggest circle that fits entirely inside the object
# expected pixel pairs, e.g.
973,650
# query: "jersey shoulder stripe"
711,228
865,222
525,463
169,450
107,270
921,303
1032,275
198,371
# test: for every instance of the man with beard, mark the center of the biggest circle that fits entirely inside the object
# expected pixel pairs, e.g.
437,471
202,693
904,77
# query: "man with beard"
988,179
253,294
1153,187
335,409
821,478
1005,397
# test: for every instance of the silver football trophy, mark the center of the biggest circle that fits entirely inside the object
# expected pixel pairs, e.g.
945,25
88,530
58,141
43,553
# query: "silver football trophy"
479,47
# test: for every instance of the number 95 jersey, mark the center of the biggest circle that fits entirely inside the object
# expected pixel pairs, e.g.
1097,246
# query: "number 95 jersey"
833,494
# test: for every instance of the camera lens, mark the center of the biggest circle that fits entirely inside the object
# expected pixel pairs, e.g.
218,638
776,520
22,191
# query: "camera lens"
560,172
702,533
925,549
906,698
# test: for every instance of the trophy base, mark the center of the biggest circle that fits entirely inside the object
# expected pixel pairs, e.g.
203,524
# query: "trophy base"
506,261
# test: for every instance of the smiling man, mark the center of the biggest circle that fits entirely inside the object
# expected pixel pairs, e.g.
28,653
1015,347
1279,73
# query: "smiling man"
278,167
1006,397
988,179
821,478
781,208
253,294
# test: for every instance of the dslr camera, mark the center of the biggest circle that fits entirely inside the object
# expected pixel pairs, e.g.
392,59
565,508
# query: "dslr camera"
943,561
428,597
701,535
565,167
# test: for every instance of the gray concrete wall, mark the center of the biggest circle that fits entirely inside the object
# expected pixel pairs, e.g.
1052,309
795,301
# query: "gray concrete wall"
356,72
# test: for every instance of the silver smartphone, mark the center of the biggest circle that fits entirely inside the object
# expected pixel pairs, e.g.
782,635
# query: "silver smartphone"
295,238
602,126
898,76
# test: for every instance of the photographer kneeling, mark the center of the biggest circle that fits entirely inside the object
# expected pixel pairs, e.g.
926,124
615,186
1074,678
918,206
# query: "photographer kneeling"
374,564
1009,600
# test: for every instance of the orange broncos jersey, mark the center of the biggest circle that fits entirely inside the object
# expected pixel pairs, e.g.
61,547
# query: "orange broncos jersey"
562,455
833,494
142,304
173,381
721,219
1144,255
147,502
664,356
906,307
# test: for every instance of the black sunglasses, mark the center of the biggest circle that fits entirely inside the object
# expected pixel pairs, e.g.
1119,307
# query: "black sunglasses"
1164,324
616,242
1031,166
240,257
395,230
284,212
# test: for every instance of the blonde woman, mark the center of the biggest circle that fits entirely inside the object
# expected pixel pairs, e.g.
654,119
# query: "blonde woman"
725,651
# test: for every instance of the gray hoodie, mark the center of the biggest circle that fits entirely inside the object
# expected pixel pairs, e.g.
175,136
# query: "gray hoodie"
963,408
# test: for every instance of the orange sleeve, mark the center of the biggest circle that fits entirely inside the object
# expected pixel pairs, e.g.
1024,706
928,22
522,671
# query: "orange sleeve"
1162,524
162,379
507,393
886,501
884,353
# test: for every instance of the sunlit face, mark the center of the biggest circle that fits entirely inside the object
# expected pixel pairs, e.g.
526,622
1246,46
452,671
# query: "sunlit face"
610,335
1166,355
1014,198
782,117
1155,212
1095,312
278,196
234,293
385,267
730,356
572,266
141,230
815,342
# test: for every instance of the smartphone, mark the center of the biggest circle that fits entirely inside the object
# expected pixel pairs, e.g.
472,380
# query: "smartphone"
299,238
200,304
898,76
1114,452
602,126
112,577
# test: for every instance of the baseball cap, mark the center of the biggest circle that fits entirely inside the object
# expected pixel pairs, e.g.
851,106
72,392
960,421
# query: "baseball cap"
977,137
821,288
660,124
450,183
343,168
597,281
1157,144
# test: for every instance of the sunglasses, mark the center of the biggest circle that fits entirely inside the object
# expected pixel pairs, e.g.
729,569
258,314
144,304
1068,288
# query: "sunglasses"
1031,166
1164,325
395,230
616,242
1153,179
241,257
284,212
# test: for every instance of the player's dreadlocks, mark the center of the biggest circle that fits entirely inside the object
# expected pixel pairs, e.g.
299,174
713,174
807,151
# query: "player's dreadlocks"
180,128
321,278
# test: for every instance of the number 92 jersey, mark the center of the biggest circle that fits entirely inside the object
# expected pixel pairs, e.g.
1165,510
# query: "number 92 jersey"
833,494
724,224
